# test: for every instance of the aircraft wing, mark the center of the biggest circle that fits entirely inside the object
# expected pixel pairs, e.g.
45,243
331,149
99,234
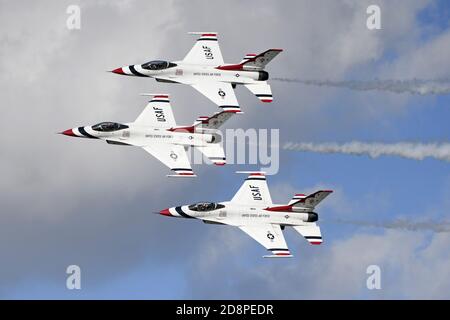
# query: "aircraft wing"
173,156
157,113
270,237
220,93
253,191
206,51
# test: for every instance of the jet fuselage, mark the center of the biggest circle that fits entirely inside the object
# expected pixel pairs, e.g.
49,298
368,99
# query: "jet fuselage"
138,135
191,74
232,214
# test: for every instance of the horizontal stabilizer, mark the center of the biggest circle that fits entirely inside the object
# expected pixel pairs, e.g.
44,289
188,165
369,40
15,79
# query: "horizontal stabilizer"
261,90
311,232
215,153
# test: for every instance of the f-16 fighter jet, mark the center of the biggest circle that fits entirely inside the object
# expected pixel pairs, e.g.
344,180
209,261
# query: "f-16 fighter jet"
156,132
204,69
252,211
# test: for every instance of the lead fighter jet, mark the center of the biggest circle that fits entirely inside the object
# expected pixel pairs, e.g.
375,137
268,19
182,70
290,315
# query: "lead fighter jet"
204,69
156,132
252,211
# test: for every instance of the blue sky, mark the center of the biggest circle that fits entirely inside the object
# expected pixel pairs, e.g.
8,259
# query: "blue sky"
81,202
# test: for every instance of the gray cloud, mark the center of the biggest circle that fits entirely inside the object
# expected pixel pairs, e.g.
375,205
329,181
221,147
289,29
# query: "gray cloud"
416,151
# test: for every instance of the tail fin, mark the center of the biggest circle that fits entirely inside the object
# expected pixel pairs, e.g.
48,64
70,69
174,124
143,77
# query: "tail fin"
206,124
253,62
213,122
158,112
247,57
259,62
206,50
311,201
254,190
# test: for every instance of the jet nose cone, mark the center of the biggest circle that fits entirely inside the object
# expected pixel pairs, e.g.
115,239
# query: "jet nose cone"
68,132
165,212
118,71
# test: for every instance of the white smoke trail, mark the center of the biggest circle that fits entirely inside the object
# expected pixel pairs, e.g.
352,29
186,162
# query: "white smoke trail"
416,151
416,86
435,226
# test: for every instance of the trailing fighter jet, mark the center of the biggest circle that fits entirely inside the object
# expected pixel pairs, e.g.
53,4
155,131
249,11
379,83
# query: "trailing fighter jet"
204,69
156,132
252,211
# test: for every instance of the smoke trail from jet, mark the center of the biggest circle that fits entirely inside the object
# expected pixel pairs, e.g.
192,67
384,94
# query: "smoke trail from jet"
415,86
415,151
401,224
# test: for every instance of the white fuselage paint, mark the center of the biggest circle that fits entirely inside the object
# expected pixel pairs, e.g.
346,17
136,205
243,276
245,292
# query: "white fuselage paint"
141,136
192,74
239,215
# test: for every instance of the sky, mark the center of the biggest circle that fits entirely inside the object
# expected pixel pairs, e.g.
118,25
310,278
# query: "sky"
71,201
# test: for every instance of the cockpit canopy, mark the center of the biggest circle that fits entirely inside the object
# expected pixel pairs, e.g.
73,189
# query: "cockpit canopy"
109,126
158,65
205,206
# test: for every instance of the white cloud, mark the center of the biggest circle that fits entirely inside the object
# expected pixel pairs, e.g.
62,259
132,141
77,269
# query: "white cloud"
337,270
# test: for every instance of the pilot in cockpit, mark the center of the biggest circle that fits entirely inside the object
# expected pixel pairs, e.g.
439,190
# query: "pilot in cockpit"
158,65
